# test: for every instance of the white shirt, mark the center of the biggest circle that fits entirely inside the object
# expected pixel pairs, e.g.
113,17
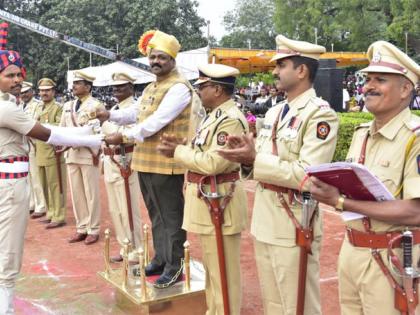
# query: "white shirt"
173,103
346,98
261,99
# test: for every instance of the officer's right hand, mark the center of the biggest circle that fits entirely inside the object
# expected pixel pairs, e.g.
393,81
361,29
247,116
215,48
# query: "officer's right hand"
102,115
114,138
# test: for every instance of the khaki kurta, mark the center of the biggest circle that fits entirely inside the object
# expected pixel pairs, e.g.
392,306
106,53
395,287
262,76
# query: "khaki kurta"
300,143
37,199
114,183
83,175
363,287
202,158
47,165
14,193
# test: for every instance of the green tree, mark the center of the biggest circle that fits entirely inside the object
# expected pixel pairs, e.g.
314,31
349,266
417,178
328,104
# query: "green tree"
107,23
348,24
406,19
250,25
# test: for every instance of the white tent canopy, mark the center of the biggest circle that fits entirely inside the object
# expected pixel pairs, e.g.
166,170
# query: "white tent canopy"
187,63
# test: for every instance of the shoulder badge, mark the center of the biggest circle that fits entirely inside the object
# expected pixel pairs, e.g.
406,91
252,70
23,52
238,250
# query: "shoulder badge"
218,113
322,130
222,138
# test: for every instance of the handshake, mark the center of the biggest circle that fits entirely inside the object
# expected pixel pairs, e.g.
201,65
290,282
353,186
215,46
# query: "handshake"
101,115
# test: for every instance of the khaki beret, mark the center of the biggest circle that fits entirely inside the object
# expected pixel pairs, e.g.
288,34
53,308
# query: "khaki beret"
46,84
386,58
287,48
217,73
120,78
26,86
79,75
160,41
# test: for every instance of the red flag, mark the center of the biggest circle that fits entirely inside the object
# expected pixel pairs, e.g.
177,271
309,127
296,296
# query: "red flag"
4,29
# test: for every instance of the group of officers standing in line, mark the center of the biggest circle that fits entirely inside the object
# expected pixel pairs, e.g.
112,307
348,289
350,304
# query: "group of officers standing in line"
299,132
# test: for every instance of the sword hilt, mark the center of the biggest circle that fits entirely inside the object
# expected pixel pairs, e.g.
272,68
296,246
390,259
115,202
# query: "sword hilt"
407,247
306,195
123,155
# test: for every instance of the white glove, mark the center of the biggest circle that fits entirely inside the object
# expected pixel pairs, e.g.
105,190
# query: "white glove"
61,136
80,131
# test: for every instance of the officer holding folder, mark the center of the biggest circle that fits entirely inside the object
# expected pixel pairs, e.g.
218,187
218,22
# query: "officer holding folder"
389,147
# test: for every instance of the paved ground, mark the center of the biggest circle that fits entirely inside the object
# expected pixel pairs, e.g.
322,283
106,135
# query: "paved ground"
60,278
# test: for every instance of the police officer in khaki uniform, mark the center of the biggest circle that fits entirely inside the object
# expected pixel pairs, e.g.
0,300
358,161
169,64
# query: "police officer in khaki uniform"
83,163
51,168
14,168
117,162
215,88
30,106
300,131
389,147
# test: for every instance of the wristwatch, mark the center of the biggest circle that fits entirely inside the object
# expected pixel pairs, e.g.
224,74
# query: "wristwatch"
340,204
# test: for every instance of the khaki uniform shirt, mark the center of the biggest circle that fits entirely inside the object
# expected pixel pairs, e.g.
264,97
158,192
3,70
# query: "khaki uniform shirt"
385,159
201,157
307,135
111,170
14,125
32,108
49,113
71,118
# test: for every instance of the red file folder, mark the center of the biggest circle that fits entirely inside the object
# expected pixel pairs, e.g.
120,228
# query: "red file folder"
353,180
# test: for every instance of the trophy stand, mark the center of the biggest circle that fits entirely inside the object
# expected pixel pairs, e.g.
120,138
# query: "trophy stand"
137,295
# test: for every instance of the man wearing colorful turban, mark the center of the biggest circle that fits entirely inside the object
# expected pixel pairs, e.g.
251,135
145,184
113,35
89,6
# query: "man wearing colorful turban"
165,107
14,168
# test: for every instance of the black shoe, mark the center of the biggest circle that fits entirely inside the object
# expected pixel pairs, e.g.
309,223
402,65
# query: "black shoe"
153,269
168,279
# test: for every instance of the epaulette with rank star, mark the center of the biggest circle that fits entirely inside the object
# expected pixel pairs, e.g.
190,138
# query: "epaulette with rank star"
363,125
322,104
414,126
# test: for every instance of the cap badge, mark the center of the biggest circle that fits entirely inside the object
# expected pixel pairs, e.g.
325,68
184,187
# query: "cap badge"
376,57
11,58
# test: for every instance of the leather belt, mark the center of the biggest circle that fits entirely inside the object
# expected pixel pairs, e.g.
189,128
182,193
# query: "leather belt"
117,150
278,189
377,240
205,179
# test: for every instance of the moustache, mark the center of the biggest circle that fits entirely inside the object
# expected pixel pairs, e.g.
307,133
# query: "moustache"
17,86
372,94
156,65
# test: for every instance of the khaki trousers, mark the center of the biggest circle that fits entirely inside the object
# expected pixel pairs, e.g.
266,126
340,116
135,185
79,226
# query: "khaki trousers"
363,287
14,201
214,296
37,198
119,210
84,188
49,179
278,272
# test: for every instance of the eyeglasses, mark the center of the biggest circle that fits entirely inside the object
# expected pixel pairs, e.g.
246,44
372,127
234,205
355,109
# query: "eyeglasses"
203,86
